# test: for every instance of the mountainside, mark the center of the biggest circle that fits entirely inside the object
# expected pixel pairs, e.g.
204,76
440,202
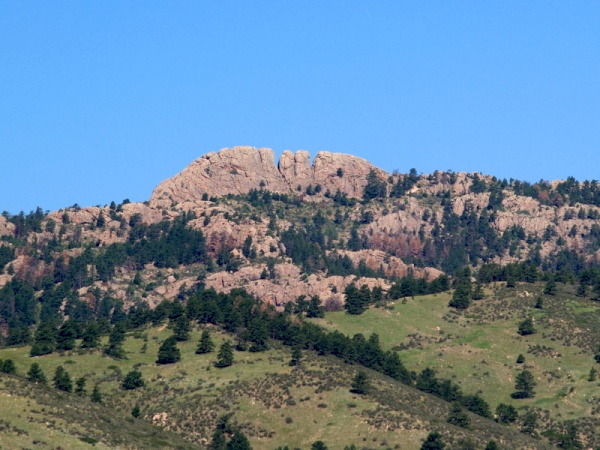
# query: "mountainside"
305,239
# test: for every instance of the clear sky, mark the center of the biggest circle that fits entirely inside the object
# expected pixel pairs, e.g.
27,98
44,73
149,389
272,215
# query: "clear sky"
102,100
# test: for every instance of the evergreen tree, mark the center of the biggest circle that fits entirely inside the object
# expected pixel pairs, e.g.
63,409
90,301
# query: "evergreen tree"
458,417
96,395
315,309
182,328
8,366
206,344
238,442
550,288
520,358
526,327
66,336
318,445
133,380
225,356
91,336
45,340
461,298
36,374
570,439
355,302
506,414
492,445
80,387
168,353
62,380
115,342
296,356
524,384
433,442
360,383
135,412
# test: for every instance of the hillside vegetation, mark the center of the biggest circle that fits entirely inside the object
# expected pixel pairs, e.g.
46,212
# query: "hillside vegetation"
467,304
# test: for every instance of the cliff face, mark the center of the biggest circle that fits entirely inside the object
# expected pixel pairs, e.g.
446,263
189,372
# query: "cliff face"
237,170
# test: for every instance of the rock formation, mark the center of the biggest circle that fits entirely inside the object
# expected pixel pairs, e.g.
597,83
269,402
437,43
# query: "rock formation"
237,170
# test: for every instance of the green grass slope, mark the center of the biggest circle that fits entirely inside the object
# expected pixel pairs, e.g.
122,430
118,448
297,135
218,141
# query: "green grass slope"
273,404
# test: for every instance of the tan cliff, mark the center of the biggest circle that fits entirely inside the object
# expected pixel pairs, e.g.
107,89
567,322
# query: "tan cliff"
237,170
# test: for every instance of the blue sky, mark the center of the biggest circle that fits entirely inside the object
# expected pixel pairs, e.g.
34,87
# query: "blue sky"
101,101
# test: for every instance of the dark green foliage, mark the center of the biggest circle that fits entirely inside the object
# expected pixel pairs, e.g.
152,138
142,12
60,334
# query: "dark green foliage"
80,387
238,442
360,383
593,374
296,356
506,414
458,417
315,309
375,188
133,380
550,288
206,344
168,353
225,356
539,303
96,396
433,442
520,359
8,366
526,327
91,336
36,374
318,445
461,298
524,384
45,340
135,412
491,445
115,342
357,300
67,334
62,380
569,440
182,328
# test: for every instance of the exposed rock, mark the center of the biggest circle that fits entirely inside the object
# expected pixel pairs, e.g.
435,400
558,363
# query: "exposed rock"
6,227
237,170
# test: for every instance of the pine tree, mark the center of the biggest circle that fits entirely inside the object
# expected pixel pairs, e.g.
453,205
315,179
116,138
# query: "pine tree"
524,384
36,374
239,442
315,309
135,412
115,342
520,358
44,340
458,417
91,336
526,327
296,356
80,387
96,396
360,383
225,356
62,380
433,442
168,353
182,328
8,366
355,302
206,344
461,298
133,380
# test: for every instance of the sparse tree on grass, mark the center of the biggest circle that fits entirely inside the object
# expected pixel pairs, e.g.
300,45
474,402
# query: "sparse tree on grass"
524,384
96,396
458,417
296,356
62,380
168,353
80,387
36,374
433,442
133,380
360,383
206,344
225,356
526,327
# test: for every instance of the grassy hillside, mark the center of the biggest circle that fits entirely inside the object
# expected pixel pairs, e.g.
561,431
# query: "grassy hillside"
273,403
478,348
